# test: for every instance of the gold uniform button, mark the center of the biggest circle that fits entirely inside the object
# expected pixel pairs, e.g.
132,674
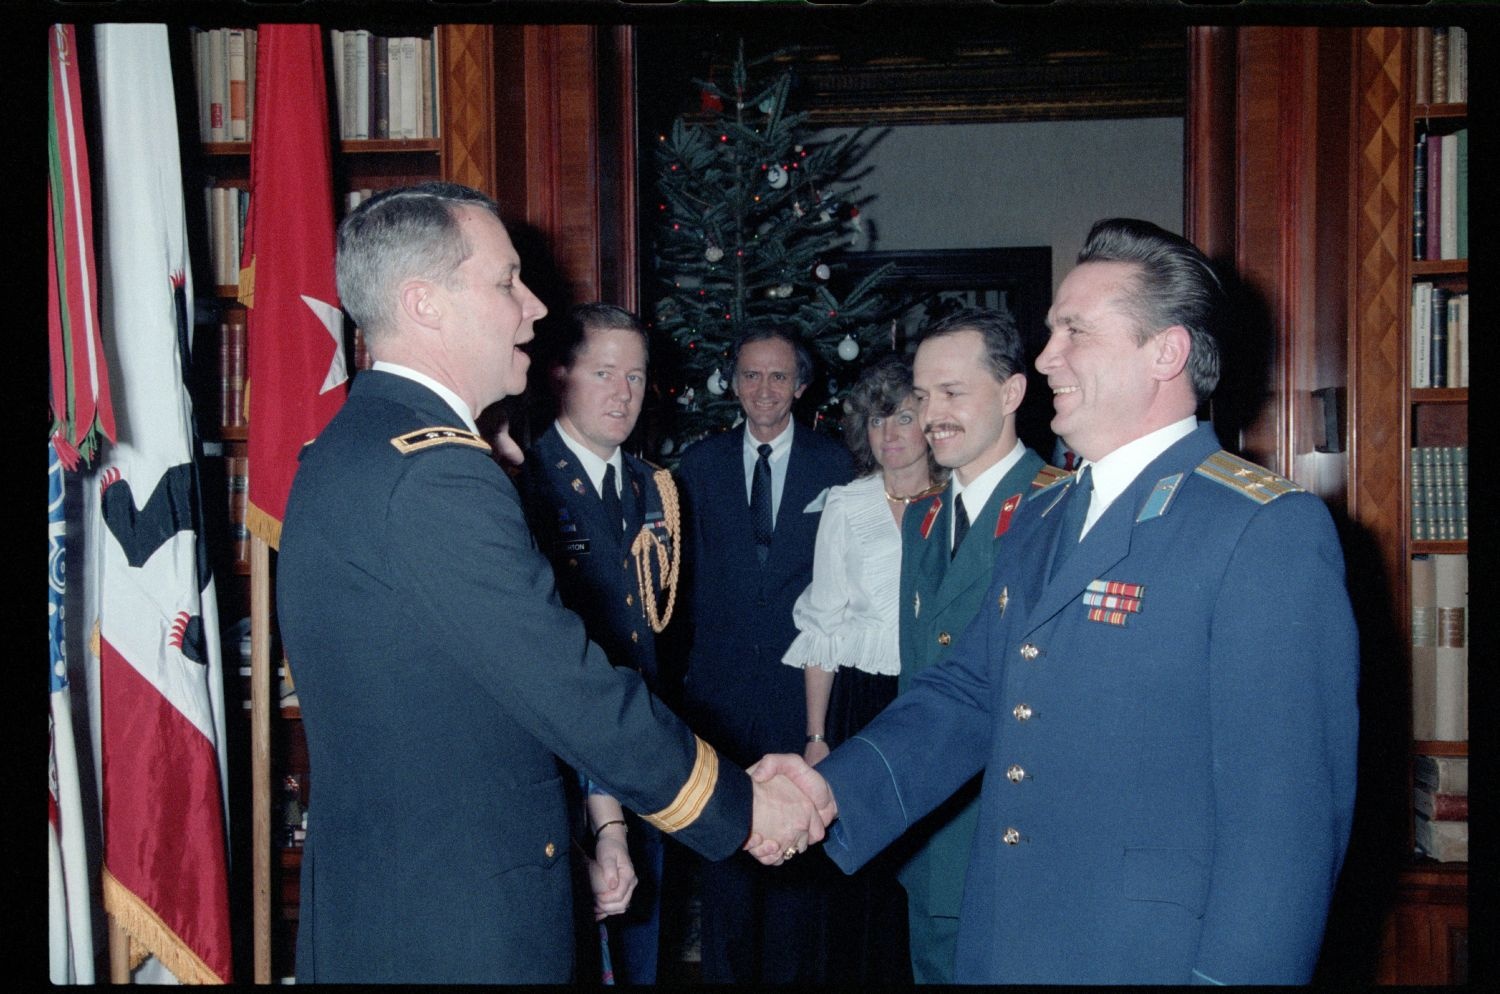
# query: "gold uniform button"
635,636
1021,711
1015,774
1011,837
550,850
573,562
944,638
1029,651
629,600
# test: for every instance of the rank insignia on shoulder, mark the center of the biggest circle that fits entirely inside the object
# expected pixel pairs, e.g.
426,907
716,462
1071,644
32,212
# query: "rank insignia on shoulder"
426,438
1048,476
1245,477
1007,509
1161,496
932,513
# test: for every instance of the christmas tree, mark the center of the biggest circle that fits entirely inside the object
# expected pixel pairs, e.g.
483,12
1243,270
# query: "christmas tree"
752,218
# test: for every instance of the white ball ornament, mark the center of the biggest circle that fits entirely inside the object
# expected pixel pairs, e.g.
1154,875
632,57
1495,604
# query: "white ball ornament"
848,349
716,383
666,446
776,177
713,253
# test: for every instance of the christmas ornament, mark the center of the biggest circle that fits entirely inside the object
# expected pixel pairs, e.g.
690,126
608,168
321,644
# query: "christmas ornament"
667,446
686,400
710,103
776,177
713,253
766,105
821,271
716,383
784,290
848,349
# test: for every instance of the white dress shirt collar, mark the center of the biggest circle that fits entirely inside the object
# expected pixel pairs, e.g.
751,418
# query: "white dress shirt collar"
449,397
1118,470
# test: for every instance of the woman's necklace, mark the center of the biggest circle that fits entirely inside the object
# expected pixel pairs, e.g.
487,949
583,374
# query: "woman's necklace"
916,496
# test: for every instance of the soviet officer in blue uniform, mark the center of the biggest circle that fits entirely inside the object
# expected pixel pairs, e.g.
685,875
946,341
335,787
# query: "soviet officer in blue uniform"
1159,689
440,677
610,524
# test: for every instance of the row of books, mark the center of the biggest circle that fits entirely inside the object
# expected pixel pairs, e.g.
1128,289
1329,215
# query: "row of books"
1439,336
385,87
228,207
1441,70
1440,196
1440,797
224,69
1440,647
1440,492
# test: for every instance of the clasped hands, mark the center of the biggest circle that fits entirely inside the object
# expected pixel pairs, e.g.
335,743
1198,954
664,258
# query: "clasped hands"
792,808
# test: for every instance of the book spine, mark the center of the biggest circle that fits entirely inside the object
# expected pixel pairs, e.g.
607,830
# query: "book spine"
1422,65
1421,334
218,86
1452,584
1434,195
1444,841
1442,774
336,59
361,88
1419,199
232,368
252,44
411,115
1423,648
1458,65
1461,491
234,51
1440,807
382,110
1439,59
239,502
200,76
437,86
1438,339
424,87
1461,193
1448,199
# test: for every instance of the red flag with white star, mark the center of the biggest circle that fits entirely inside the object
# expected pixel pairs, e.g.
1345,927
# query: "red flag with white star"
294,329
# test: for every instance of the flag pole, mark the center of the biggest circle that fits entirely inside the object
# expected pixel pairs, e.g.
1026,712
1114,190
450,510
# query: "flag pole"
260,749
119,952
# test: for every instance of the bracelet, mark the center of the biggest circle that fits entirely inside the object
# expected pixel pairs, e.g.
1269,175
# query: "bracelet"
617,821
815,737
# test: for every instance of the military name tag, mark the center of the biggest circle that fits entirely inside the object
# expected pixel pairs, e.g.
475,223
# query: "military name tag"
574,546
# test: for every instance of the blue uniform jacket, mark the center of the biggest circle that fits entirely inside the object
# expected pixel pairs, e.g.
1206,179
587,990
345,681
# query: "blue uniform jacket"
939,597
1166,731
440,679
738,693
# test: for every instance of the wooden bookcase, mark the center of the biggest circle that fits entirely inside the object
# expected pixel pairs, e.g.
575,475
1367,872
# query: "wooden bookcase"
1424,938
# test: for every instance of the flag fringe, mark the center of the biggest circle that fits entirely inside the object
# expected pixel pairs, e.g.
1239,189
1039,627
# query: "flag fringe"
262,524
150,935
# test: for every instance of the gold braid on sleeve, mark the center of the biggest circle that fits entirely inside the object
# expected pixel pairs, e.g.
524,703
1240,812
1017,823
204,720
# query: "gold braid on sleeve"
668,561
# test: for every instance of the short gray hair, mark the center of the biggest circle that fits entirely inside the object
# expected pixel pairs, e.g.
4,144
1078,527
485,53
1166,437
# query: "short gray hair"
401,234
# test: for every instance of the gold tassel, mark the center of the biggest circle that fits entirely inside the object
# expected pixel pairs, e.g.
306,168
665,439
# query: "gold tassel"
668,563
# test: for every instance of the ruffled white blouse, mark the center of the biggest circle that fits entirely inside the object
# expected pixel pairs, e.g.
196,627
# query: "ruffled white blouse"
848,614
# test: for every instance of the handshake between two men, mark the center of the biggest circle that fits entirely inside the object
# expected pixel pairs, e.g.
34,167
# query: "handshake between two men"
793,807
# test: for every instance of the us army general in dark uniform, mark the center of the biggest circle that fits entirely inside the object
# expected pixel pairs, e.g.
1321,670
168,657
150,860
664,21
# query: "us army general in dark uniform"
439,675
609,523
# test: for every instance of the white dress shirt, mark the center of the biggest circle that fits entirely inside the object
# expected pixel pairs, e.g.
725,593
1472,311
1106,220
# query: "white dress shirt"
781,454
1118,470
979,489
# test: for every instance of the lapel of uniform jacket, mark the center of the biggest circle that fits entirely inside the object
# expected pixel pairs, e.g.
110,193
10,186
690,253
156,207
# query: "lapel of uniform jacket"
1109,540
797,490
633,496
976,556
585,504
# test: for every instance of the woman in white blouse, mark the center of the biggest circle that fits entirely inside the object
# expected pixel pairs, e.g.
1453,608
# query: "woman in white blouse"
847,642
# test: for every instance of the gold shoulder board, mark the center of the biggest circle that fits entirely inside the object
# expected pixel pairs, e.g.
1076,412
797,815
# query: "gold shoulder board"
1245,477
426,438
1047,476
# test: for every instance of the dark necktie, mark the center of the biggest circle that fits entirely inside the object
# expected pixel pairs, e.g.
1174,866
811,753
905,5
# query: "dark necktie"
760,502
960,523
612,499
1073,515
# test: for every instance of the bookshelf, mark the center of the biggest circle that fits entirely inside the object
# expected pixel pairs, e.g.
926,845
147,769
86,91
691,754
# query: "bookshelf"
1394,410
457,145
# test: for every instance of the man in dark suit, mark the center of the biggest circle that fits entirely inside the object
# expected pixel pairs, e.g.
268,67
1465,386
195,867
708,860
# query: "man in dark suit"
969,379
1161,680
754,498
609,523
440,678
